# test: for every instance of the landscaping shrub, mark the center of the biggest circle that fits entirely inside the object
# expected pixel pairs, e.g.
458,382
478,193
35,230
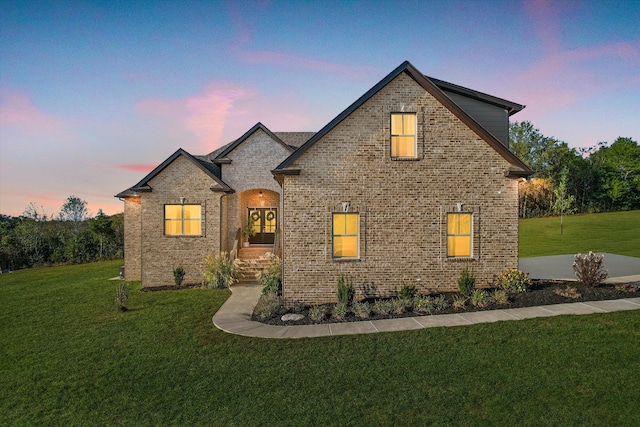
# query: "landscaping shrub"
362,310
589,269
500,297
466,282
397,306
340,311
480,298
270,278
122,296
407,304
440,303
513,280
459,301
178,275
382,307
220,272
424,304
267,307
407,291
317,313
346,291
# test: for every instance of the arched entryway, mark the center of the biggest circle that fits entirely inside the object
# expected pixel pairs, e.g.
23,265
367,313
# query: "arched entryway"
260,210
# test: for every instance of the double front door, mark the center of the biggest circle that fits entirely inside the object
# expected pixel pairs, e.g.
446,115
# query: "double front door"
264,221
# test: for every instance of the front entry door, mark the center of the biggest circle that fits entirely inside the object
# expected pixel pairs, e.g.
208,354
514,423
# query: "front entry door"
265,221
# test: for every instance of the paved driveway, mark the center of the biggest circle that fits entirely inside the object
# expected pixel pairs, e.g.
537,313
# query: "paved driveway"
624,268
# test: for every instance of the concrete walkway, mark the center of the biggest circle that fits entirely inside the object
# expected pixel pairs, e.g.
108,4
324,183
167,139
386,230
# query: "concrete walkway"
235,317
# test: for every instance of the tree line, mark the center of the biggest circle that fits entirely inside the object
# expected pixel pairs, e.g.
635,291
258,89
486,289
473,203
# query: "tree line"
70,237
602,178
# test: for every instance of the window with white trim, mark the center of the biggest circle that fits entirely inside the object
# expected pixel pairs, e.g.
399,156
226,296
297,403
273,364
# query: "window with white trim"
459,234
403,135
182,220
346,235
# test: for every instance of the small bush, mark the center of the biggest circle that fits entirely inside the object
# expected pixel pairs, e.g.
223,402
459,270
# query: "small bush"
270,278
513,280
407,304
382,307
397,306
267,307
346,291
122,296
589,269
480,298
178,275
220,272
407,291
466,282
500,297
424,304
440,303
362,310
568,292
459,301
340,311
317,313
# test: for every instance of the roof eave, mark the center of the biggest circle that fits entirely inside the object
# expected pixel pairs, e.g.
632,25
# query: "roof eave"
518,173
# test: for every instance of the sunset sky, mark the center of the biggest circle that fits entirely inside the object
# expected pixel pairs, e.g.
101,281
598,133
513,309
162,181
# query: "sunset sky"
95,94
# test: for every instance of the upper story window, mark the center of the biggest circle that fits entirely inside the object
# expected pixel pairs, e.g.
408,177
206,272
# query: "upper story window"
346,235
459,234
403,135
182,220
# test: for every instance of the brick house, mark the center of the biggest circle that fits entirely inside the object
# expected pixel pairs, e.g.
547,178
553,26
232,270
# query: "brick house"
410,184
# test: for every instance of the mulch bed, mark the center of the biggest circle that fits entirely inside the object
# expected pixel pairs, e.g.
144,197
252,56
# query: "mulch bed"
540,293
171,287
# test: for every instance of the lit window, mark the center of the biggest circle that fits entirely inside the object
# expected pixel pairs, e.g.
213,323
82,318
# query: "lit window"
345,235
403,135
459,226
182,220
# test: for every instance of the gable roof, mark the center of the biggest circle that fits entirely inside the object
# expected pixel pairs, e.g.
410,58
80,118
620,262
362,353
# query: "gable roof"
221,158
206,166
518,169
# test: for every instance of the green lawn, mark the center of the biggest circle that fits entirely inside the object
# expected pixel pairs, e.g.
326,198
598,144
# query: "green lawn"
613,232
67,357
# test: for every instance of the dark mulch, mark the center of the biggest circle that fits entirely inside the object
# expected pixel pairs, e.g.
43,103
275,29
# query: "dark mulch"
540,293
171,287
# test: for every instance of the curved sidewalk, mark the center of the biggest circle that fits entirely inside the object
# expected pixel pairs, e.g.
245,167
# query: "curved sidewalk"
235,317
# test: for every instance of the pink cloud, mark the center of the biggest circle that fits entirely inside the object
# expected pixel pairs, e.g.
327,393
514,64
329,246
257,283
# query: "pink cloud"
14,203
204,115
207,112
18,113
546,15
563,77
282,59
137,167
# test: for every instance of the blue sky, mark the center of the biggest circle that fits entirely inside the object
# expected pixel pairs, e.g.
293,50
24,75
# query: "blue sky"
95,94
